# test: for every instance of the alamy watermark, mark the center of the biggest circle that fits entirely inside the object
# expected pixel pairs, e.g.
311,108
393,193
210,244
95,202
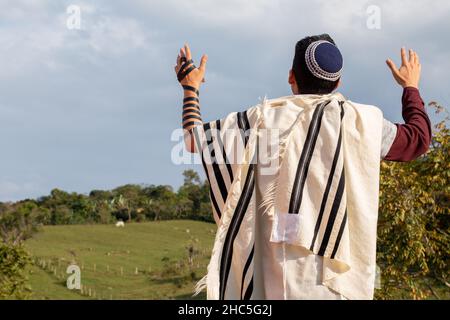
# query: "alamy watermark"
74,280
229,147
73,21
373,21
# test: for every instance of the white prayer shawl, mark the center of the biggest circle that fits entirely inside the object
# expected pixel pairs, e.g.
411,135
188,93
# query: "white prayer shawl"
324,198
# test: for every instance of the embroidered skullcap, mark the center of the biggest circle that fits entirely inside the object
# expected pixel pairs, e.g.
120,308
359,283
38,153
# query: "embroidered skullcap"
324,60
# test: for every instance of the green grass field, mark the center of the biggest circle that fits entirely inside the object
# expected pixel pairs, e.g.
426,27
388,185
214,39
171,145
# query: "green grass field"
140,261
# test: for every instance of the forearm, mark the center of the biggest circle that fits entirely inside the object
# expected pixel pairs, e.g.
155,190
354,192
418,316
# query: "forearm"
191,115
414,137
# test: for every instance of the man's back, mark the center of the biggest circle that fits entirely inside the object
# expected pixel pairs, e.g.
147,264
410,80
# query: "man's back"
301,267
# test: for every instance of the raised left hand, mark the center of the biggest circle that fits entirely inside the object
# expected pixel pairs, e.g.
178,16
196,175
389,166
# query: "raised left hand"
196,76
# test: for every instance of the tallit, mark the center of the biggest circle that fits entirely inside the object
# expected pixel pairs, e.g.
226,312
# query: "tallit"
324,198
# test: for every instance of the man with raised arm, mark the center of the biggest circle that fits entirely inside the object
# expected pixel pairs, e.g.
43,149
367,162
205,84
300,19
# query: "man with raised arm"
297,211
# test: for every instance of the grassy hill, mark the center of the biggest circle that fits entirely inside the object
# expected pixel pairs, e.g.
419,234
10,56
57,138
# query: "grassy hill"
140,261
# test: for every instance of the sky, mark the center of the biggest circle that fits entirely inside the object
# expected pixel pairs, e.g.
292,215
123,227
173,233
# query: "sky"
95,107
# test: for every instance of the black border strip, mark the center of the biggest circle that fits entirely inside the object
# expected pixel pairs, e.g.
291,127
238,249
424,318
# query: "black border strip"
225,157
211,192
246,267
329,183
236,220
333,214
215,166
305,159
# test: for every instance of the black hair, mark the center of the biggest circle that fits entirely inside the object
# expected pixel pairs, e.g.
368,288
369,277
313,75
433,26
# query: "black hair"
307,83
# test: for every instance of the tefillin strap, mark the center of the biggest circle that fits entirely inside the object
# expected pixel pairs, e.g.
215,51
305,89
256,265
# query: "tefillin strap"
191,108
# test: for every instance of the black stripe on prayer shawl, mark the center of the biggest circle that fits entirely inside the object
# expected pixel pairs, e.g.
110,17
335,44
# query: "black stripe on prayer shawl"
339,236
305,158
215,166
225,157
233,229
333,214
329,182
246,122
244,126
244,273
211,193
249,291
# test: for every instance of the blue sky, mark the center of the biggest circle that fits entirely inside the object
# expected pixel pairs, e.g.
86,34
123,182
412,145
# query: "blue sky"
95,108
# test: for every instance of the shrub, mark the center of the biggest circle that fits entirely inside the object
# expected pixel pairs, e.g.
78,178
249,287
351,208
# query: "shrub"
13,261
413,229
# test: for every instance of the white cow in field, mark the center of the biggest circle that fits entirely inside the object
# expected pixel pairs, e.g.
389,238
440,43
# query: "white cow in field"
120,224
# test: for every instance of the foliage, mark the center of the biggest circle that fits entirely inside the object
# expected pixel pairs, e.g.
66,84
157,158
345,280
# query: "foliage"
19,221
127,203
413,230
13,283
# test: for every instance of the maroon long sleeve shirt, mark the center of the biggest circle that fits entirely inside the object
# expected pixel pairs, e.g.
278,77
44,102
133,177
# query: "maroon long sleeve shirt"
414,137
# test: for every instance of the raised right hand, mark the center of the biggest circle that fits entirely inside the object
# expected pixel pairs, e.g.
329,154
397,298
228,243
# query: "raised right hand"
409,73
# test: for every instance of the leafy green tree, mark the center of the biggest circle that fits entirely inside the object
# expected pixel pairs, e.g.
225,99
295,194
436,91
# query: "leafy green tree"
122,210
413,230
163,202
100,195
13,262
19,221
191,178
198,194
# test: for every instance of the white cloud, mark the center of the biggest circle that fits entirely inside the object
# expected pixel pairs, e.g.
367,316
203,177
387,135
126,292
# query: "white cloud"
37,35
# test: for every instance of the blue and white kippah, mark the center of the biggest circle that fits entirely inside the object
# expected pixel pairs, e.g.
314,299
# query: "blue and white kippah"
324,60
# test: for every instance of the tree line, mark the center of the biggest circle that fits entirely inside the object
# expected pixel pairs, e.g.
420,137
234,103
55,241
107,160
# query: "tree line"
126,203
